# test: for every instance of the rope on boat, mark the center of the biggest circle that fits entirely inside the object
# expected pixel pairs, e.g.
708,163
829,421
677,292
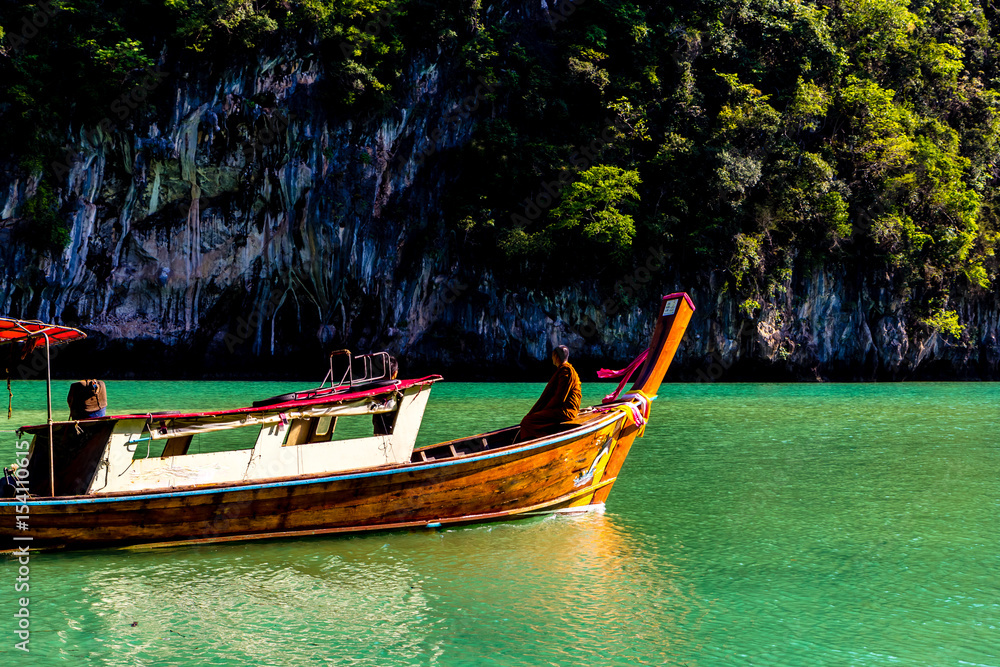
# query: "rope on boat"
645,402
639,414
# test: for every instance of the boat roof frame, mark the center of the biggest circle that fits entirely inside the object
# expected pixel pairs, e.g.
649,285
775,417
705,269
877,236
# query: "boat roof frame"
31,332
13,330
276,408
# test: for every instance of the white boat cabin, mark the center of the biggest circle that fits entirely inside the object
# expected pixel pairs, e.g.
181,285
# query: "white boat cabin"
320,431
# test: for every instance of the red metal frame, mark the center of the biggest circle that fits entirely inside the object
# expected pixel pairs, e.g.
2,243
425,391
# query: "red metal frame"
15,331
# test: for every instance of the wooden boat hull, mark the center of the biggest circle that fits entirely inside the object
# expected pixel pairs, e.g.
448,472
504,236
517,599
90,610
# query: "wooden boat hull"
564,470
481,478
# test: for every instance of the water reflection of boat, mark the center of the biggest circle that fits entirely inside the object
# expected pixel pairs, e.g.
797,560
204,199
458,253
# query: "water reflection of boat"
554,590
130,479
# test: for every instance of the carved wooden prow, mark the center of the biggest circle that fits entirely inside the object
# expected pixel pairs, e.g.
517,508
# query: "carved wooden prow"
675,312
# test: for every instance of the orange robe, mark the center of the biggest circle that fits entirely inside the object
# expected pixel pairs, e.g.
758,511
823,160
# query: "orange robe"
560,402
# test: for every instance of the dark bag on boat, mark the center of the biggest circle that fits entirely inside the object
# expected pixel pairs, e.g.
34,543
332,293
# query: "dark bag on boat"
8,485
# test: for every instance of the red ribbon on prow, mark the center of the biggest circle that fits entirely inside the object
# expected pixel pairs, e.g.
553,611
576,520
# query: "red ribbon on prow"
624,373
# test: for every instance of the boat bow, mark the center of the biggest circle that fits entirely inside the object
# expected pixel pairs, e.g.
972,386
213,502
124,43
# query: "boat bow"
675,312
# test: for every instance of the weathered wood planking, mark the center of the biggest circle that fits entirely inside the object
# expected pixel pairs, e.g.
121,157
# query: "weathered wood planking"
495,482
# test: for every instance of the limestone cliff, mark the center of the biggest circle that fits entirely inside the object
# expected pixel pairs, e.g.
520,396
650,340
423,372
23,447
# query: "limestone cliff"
248,229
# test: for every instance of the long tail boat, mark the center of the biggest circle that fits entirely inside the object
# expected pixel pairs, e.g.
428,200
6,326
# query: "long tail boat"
130,480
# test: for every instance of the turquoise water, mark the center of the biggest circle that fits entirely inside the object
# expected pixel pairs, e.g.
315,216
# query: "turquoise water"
753,525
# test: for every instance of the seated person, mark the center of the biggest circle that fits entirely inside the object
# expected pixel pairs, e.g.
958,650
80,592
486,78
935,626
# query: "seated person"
559,402
87,399
384,421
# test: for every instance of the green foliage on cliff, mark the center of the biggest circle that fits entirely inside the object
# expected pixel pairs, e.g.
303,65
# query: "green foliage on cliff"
946,322
47,230
767,134
754,138
596,203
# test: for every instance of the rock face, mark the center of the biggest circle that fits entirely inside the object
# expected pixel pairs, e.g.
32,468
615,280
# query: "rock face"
247,230
831,325
238,231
